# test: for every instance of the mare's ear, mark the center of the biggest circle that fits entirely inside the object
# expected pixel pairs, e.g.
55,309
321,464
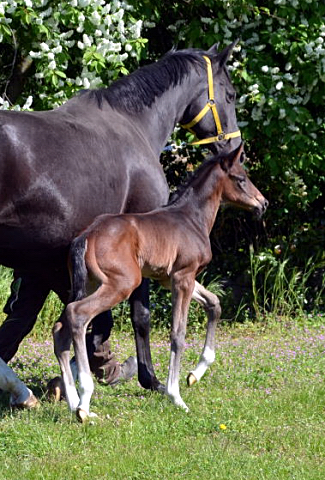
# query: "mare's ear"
227,161
213,51
225,54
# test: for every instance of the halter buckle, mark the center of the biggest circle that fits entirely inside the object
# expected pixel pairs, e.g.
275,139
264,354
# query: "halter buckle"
211,101
221,136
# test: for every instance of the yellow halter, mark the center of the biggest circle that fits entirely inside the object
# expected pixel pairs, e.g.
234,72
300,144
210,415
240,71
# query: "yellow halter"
211,105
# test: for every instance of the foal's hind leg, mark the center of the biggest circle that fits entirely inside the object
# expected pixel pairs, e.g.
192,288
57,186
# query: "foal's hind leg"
79,314
140,316
182,287
211,305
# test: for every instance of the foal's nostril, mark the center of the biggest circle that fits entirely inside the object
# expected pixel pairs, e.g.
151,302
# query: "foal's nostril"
266,204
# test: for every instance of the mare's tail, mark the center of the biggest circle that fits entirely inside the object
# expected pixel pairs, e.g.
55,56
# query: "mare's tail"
79,269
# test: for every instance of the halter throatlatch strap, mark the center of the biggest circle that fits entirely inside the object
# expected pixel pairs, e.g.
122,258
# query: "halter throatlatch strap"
211,105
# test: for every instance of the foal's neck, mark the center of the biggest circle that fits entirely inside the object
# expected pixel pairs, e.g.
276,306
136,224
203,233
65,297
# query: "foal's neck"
200,201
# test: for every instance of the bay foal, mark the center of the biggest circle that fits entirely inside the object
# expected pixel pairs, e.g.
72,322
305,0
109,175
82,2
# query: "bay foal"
170,244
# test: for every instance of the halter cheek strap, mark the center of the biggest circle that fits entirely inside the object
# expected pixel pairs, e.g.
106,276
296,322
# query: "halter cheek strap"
211,105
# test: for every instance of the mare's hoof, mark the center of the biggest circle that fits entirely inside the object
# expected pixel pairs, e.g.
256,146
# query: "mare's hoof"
55,389
191,379
28,404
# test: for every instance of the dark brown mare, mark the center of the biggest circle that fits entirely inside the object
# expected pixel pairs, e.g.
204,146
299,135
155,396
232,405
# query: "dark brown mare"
170,244
99,153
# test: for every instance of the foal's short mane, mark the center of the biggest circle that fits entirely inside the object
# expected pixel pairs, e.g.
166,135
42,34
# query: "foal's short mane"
185,189
138,90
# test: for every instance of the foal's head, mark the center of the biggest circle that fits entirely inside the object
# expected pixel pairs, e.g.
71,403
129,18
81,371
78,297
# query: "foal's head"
237,189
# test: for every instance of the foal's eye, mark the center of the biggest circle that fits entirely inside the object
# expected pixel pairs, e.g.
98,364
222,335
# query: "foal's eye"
241,179
242,158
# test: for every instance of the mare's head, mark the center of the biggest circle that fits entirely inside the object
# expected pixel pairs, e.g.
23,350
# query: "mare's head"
237,188
211,115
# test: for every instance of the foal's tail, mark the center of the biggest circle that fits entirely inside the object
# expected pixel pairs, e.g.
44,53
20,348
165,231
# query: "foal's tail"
79,269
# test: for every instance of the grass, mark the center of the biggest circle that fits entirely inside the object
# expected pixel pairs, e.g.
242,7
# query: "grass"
259,413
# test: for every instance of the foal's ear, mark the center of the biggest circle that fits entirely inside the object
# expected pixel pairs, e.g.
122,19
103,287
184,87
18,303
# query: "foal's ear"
224,55
226,162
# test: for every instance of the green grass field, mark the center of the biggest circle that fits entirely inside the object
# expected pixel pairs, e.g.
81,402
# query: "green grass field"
259,413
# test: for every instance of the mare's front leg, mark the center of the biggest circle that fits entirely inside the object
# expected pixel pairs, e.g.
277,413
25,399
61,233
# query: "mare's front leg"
182,288
140,316
62,344
211,305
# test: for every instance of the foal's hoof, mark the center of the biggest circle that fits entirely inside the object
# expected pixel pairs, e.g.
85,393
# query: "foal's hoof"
55,389
28,404
191,379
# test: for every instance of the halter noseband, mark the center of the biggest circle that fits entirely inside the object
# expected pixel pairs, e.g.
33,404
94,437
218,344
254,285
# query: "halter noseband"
211,105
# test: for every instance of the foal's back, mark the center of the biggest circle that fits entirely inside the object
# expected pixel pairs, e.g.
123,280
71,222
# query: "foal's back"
153,244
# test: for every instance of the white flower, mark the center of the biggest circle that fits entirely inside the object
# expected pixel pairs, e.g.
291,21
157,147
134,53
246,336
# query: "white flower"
50,56
80,45
282,113
35,54
84,3
265,68
44,46
288,66
57,49
87,41
86,82
95,18
128,47
52,65
28,103
29,3
275,70
279,85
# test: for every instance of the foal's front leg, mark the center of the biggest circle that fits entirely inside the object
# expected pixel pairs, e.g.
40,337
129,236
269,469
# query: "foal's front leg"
62,344
211,305
182,288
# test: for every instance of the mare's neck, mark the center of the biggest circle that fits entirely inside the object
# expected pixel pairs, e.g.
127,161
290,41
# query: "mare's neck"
159,120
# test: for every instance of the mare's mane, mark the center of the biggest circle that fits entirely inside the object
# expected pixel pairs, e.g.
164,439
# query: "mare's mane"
138,90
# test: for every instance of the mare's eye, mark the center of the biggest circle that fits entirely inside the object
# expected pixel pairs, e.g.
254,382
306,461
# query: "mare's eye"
230,96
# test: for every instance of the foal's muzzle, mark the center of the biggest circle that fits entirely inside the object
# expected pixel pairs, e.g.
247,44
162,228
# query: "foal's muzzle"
261,209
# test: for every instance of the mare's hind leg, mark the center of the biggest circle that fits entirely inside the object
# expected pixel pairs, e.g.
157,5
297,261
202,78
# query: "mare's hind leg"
211,305
140,315
62,344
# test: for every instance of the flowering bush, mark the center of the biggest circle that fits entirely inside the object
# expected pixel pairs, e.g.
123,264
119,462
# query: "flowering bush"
66,45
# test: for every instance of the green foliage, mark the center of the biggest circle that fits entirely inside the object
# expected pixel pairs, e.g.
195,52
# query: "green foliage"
281,288
66,45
